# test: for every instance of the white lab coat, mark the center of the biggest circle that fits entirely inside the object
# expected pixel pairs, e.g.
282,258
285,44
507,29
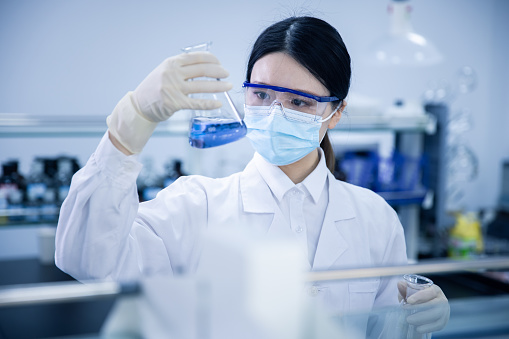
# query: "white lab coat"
103,233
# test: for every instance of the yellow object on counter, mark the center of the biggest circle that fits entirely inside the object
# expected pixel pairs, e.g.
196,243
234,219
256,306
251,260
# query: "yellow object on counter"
465,238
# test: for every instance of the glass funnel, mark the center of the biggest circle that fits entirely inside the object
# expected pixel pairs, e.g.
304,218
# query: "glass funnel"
210,128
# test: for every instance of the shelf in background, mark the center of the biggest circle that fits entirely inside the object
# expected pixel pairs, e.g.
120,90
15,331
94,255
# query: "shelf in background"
18,125
419,123
400,198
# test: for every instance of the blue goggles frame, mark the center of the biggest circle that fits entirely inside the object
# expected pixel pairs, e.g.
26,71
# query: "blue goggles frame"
288,90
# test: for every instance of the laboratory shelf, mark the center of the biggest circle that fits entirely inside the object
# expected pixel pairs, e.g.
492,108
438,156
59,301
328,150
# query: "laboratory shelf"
29,212
18,125
398,123
400,198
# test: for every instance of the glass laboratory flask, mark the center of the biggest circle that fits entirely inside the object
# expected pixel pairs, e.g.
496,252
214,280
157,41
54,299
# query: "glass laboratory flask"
210,128
415,283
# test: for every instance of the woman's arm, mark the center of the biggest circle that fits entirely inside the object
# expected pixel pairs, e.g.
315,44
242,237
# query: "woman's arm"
100,234
97,216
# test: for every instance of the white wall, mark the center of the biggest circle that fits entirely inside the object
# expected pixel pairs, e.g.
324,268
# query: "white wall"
80,57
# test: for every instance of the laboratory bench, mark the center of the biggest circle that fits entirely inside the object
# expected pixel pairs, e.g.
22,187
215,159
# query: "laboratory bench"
478,298
479,305
29,271
47,320
455,285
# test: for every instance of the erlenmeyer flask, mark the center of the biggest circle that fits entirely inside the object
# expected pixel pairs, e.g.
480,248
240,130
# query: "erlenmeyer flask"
210,128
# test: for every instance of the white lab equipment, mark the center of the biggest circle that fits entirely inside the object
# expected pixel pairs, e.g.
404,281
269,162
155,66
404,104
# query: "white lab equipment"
247,287
46,244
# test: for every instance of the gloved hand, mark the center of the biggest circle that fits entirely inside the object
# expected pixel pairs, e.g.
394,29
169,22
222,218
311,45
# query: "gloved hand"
163,92
431,307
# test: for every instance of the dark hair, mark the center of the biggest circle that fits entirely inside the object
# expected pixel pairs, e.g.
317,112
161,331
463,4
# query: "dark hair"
318,47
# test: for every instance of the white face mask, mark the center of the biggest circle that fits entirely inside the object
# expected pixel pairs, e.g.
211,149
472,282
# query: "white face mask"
280,137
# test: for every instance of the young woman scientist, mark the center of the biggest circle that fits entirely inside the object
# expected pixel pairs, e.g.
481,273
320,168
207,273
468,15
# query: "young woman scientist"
298,76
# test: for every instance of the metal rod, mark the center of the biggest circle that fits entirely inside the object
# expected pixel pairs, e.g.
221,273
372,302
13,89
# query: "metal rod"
432,267
75,291
56,292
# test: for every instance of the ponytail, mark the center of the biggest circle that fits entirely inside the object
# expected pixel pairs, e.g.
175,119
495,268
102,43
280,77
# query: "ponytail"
330,158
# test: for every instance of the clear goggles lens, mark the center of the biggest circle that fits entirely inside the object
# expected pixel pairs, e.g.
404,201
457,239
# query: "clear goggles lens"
264,95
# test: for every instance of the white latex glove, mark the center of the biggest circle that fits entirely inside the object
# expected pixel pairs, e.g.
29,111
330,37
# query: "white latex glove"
431,307
163,92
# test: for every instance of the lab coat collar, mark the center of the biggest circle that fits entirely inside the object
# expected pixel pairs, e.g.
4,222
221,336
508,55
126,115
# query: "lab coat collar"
315,181
279,183
340,204
256,195
274,177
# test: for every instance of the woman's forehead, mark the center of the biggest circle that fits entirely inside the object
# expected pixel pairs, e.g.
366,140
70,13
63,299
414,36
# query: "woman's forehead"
280,69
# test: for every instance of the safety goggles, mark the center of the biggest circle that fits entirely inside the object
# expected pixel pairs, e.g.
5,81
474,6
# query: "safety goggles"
265,95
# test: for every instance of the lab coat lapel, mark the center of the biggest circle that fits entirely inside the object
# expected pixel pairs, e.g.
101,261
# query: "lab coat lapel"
258,202
257,198
255,194
332,244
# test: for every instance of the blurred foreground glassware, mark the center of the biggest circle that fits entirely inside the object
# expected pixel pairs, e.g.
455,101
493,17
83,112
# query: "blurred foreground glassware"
210,128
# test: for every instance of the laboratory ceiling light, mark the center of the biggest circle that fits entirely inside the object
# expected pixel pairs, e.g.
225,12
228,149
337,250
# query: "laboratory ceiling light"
401,45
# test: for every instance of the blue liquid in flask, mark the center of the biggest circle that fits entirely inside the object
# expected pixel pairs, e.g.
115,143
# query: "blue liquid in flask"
211,132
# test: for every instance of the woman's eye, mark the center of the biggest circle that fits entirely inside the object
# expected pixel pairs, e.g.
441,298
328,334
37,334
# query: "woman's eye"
262,95
299,103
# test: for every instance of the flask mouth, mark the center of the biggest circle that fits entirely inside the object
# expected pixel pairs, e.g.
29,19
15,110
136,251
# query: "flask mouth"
417,281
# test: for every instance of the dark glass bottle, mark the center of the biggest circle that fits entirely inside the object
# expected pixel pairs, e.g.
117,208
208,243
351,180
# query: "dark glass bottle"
49,208
173,171
12,188
149,182
37,183
66,167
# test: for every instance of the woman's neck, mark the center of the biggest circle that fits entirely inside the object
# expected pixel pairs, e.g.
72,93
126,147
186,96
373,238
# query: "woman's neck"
299,170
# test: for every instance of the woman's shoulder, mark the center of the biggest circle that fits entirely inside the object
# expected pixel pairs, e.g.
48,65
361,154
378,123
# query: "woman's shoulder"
358,192
378,220
364,200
